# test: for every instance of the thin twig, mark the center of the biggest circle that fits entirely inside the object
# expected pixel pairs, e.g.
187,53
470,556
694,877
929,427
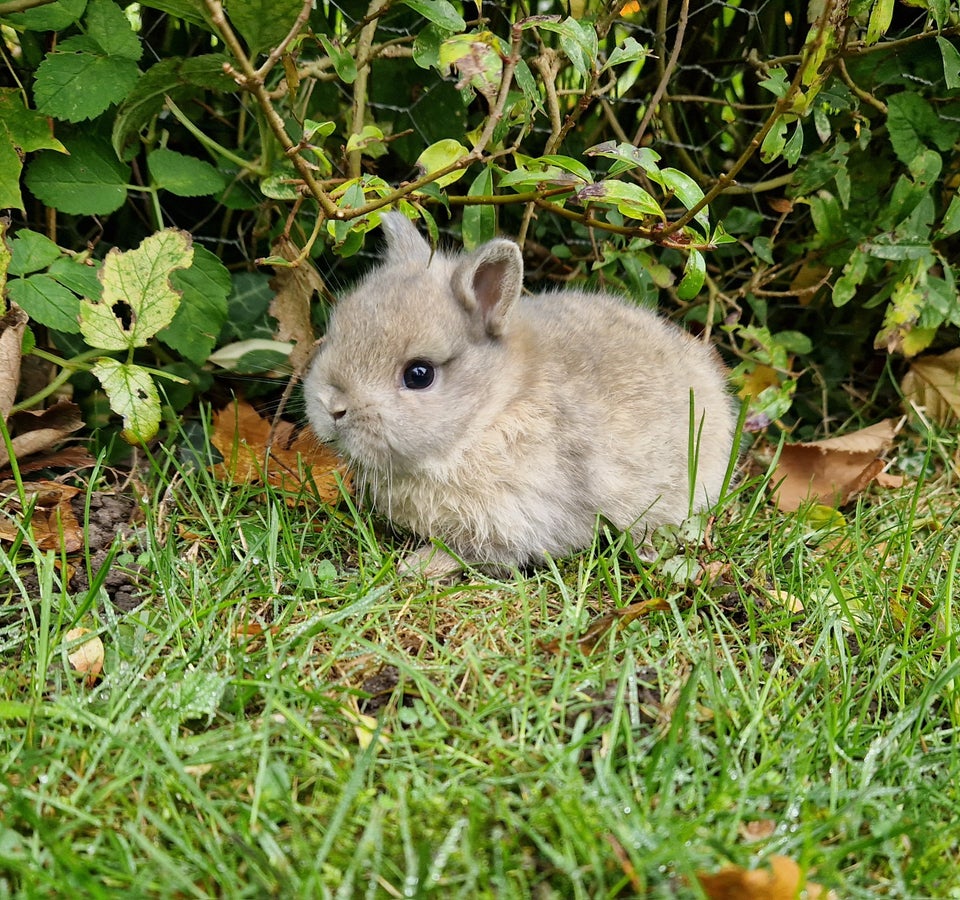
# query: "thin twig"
666,70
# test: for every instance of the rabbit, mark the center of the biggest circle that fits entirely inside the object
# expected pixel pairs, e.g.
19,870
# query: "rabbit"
503,426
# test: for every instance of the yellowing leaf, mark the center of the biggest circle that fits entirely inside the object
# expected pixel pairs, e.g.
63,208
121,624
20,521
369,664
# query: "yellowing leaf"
133,395
137,298
87,658
440,155
933,385
294,288
832,471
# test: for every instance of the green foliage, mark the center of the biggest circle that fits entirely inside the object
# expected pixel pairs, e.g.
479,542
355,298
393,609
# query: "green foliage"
745,152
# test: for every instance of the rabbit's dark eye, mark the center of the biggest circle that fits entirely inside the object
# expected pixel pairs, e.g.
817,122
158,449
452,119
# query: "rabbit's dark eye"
418,375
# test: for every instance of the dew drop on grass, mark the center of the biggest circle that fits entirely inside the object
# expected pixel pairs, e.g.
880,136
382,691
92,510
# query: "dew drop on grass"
43,779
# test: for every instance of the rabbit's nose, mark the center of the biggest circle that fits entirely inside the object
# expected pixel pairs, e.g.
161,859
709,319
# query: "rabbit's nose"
334,402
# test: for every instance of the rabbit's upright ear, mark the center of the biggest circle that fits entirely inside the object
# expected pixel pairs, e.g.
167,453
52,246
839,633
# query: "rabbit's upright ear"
489,281
404,243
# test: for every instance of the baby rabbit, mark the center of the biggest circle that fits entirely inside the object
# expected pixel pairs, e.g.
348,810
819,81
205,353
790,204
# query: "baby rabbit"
504,426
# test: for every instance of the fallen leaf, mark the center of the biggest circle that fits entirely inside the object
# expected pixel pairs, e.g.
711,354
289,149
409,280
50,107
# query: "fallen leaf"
782,881
34,431
933,385
87,658
72,458
52,520
599,627
294,287
831,471
787,600
294,459
12,326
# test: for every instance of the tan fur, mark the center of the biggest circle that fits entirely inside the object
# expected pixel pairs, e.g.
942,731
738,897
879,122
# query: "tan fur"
546,411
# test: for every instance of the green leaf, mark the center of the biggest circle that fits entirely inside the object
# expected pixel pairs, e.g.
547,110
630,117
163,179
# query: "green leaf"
31,252
91,181
880,18
694,274
202,312
776,82
480,221
133,395
369,141
343,61
110,28
263,23
83,280
574,166
951,218
426,46
629,51
78,86
578,40
631,199
774,142
185,176
440,12
951,63
853,274
440,155
794,147
22,131
192,11
46,301
914,124
180,79
137,299
627,157
51,17
687,191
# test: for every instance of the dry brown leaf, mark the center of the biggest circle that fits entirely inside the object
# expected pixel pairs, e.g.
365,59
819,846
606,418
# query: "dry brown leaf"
87,658
782,881
72,458
933,385
294,288
599,627
32,432
53,521
831,471
242,437
12,326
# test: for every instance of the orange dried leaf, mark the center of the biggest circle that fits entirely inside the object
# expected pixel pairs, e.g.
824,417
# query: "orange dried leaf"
87,658
832,471
242,438
782,881
52,520
751,832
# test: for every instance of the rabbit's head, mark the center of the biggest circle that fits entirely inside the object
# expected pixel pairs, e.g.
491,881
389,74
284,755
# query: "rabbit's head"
417,355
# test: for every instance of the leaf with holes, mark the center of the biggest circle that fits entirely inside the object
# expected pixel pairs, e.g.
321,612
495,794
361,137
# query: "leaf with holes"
133,395
138,299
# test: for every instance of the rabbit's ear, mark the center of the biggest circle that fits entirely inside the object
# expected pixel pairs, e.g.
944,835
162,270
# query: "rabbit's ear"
489,281
404,243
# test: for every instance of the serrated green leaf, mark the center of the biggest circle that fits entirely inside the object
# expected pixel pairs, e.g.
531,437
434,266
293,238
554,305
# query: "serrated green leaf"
46,302
133,395
111,29
951,63
90,181
440,155
51,17
440,12
79,278
263,23
480,220
343,61
202,312
138,299
31,252
631,199
26,129
79,86
184,176
694,274
179,79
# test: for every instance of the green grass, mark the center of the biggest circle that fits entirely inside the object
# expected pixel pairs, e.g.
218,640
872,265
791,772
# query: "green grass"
382,739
